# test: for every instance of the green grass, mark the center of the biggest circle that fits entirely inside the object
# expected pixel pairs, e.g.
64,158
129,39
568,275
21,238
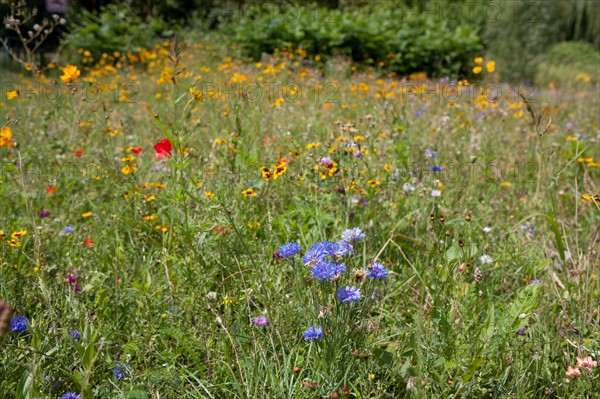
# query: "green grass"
177,305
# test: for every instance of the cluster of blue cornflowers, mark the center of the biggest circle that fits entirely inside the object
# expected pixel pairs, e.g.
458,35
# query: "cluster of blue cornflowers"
326,260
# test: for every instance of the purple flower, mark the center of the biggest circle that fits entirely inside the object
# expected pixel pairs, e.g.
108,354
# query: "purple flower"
341,249
313,333
377,270
18,324
68,230
121,371
260,321
289,249
435,168
358,154
535,281
76,335
348,294
420,112
521,331
70,395
42,213
325,161
317,252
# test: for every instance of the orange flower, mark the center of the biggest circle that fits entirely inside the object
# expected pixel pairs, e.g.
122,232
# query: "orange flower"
88,242
70,73
573,371
6,137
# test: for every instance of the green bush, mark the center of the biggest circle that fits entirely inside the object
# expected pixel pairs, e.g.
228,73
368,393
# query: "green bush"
565,61
114,29
400,37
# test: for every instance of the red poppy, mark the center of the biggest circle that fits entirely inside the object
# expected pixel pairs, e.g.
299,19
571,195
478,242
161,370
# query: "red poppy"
163,149
137,150
50,189
78,153
87,242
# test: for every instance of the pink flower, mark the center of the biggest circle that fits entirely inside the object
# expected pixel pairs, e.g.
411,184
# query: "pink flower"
260,321
586,362
573,371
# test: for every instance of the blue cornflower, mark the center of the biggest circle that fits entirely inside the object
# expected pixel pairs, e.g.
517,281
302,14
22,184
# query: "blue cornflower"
324,270
121,371
377,271
342,248
435,168
289,249
420,112
68,229
18,324
348,294
76,335
70,395
318,252
352,235
313,333
430,153
339,268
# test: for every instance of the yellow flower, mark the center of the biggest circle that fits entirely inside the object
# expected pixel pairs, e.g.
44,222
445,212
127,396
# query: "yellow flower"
248,193
505,184
149,217
86,215
209,195
313,145
359,138
266,173
388,167
18,234
571,138
128,169
199,184
198,96
2,233
12,94
13,243
478,60
149,197
221,141
6,137
128,159
70,73
279,102
373,183
164,229
582,76
491,66
278,169
477,70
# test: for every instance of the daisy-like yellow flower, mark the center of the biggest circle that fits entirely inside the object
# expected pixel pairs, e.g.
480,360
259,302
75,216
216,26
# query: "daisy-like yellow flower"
18,234
249,193
86,215
209,195
478,60
358,137
221,141
313,145
505,184
571,138
477,70
70,73
387,167
266,173
279,168
373,183
490,66
164,229
149,217
12,94
2,233
13,243
277,103
197,94
148,197
129,169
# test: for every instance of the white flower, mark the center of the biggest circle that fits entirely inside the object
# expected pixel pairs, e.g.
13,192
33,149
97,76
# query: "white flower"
435,193
406,187
487,229
211,296
485,259
62,21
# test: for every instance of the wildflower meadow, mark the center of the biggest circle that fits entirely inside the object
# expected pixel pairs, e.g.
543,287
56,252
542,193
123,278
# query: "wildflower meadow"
256,211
